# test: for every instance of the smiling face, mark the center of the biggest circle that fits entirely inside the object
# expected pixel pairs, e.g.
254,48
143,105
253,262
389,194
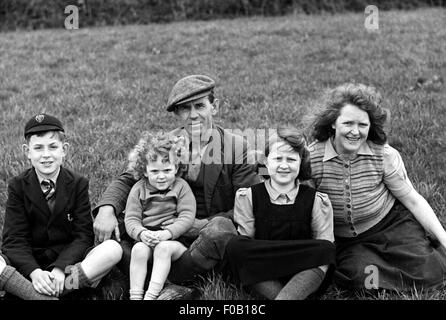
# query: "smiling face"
197,115
283,164
351,129
46,153
161,174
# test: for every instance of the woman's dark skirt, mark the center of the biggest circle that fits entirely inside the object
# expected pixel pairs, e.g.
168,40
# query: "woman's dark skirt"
394,254
253,261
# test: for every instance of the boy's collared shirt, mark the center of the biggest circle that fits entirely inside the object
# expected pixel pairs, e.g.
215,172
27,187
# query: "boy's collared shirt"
53,178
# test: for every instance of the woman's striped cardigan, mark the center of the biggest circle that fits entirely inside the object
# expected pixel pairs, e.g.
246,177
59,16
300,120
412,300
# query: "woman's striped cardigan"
355,187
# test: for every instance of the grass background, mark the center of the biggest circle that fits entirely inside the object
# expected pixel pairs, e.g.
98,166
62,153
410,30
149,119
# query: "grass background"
109,84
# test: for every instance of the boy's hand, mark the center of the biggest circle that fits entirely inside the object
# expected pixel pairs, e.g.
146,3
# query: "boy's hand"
59,281
43,282
104,225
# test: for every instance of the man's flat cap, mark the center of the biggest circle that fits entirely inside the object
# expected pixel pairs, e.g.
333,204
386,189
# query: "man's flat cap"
189,88
43,122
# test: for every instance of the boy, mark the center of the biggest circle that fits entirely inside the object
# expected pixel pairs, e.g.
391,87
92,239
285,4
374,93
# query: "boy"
48,225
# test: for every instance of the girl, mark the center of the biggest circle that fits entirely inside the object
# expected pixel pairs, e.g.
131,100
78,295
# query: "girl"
285,244
158,196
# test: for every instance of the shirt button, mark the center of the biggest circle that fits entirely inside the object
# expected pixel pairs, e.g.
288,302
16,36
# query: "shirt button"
349,206
347,186
345,165
349,212
349,219
354,233
352,228
348,200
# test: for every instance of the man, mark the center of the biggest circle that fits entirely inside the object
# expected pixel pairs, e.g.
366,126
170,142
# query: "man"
218,166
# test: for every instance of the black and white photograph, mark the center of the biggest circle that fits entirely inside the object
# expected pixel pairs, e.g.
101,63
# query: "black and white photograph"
240,151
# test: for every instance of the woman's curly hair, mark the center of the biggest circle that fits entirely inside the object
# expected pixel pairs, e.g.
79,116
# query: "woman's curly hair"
152,146
366,98
296,140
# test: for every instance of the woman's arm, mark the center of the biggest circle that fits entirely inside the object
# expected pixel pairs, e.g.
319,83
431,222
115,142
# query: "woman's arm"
397,181
423,212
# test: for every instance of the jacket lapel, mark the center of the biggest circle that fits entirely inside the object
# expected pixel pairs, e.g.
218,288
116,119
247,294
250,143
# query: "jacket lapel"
212,170
34,193
64,186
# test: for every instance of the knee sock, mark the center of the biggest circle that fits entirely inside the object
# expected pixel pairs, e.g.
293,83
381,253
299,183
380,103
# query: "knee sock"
268,289
153,291
136,294
302,285
78,275
13,282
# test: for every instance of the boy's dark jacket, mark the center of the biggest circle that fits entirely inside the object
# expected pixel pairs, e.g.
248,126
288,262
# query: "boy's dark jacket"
33,237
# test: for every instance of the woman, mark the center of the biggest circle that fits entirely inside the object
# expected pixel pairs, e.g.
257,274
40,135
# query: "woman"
380,220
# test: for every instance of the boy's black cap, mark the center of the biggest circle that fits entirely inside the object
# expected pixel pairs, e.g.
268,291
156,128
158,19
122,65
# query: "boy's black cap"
43,122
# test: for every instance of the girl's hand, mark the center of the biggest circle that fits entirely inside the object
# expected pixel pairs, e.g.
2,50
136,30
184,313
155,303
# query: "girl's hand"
163,235
149,238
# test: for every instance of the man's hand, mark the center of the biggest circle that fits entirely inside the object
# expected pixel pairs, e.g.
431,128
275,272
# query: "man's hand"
59,281
104,225
43,282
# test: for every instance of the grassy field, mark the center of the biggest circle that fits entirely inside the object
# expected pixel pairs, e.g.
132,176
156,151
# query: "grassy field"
109,84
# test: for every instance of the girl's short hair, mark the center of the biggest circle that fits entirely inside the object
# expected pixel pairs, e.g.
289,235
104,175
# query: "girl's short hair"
366,98
296,140
153,146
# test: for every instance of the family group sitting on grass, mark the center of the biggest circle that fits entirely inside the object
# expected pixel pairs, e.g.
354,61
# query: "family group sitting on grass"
284,228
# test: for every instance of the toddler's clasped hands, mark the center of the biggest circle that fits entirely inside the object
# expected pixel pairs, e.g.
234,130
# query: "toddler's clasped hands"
152,238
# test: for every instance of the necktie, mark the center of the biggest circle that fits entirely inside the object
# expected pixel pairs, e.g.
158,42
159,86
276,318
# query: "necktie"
48,188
